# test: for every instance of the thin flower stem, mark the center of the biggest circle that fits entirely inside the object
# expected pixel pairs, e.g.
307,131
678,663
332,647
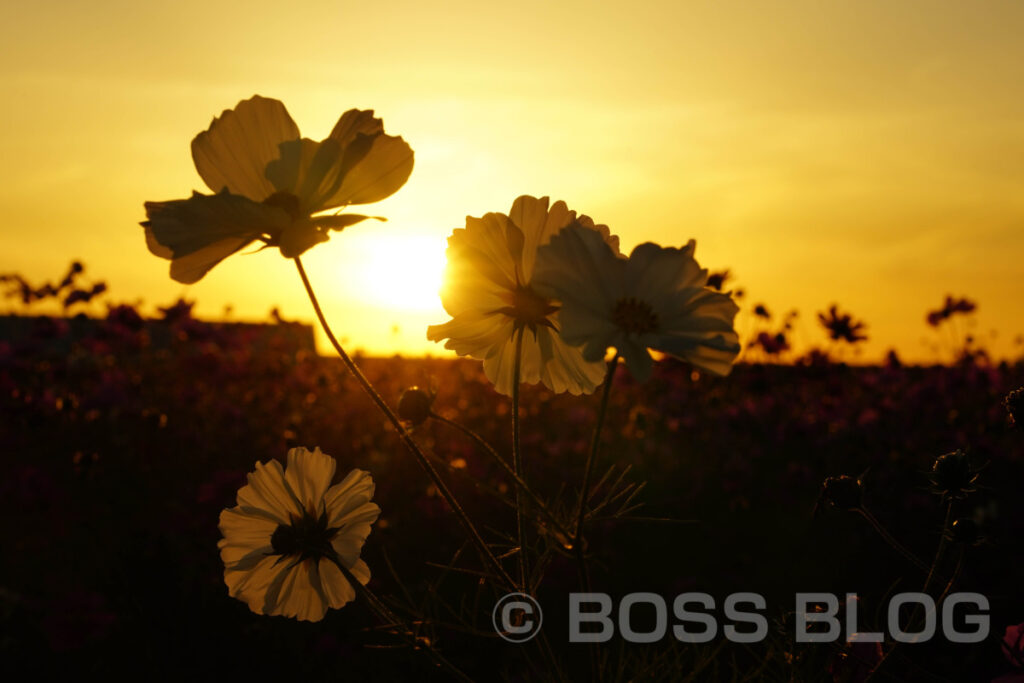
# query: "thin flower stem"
517,465
595,443
899,547
385,614
405,436
927,584
534,498
577,541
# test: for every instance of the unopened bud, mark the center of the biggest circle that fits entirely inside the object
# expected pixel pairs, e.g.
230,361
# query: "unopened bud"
415,405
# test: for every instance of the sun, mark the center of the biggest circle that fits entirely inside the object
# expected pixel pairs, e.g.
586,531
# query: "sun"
403,273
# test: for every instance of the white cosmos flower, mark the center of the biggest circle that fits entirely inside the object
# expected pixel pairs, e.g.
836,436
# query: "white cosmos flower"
282,541
655,299
489,294
270,183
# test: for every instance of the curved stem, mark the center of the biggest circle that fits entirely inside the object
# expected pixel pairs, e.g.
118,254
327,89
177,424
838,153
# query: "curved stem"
534,498
517,465
405,436
899,547
927,584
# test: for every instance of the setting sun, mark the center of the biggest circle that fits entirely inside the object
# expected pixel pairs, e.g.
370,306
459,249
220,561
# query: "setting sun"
403,273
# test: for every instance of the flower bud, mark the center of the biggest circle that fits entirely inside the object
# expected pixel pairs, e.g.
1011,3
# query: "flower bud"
952,475
415,405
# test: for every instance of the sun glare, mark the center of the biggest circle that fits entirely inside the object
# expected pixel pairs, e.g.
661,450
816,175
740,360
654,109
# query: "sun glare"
404,273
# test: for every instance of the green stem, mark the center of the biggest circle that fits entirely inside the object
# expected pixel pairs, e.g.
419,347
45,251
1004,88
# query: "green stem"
517,466
406,437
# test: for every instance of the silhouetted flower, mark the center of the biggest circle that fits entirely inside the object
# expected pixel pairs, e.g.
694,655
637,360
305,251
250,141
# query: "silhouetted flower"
772,344
952,475
489,293
655,299
717,280
842,327
284,540
949,307
269,183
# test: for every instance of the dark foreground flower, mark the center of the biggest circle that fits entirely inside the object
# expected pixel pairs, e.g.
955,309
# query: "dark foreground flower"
655,299
270,183
842,327
953,476
291,529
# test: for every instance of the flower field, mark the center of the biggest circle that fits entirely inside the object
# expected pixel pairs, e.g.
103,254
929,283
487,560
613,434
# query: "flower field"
123,445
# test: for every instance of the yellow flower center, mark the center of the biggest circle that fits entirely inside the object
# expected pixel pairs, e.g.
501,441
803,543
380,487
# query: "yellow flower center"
307,536
633,315
528,308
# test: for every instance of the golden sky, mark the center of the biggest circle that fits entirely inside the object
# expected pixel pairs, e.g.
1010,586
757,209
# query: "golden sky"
862,152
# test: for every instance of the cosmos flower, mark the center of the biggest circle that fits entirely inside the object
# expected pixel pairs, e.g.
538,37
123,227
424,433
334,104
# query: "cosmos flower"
489,293
657,299
269,183
949,308
283,541
842,326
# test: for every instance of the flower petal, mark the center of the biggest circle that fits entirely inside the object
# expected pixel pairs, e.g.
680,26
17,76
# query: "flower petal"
268,491
250,584
474,333
234,152
355,122
353,492
579,268
371,175
309,474
563,367
654,271
638,359
337,591
480,271
297,592
199,232
244,532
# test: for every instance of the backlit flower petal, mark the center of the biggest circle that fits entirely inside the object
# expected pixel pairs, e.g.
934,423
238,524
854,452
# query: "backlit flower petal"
337,591
489,293
199,232
270,184
476,333
656,299
268,491
377,174
234,152
309,474
352,493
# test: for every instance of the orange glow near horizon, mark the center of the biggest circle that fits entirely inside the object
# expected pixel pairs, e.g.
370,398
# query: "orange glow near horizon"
857,153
